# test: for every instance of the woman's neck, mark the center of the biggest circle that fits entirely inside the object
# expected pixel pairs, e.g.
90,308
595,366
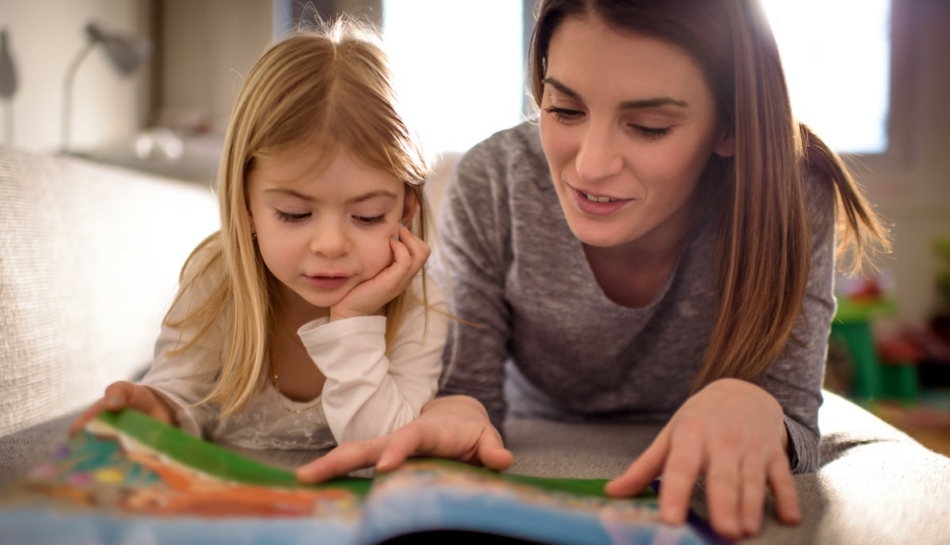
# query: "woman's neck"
632,274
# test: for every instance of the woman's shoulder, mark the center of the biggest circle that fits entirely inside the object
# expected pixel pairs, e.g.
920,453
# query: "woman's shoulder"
515,146
820,197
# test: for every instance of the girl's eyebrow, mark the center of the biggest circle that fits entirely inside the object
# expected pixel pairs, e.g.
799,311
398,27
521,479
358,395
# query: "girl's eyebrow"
357,199
626,105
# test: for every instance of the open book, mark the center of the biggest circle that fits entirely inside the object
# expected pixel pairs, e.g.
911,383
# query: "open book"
130,479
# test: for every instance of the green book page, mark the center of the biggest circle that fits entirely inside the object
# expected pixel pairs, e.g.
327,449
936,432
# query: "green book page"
211,459
224,464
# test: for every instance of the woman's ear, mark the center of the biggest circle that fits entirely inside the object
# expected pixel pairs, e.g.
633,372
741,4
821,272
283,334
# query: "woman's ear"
726,146
410,205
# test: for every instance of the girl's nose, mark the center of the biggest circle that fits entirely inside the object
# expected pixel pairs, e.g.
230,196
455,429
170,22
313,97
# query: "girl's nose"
329,241
599,154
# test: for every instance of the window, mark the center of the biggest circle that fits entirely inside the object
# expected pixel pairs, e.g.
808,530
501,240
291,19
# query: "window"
459,83
836,55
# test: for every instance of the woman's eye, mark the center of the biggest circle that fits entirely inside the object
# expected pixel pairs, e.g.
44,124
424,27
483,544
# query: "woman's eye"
563,114
292,218
651,133
370,220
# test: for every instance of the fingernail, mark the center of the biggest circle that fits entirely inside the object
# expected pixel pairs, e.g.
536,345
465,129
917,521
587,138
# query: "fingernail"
396,237
384,462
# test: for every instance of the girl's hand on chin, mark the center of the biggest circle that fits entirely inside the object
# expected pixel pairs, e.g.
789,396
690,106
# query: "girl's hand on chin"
409,254
733,432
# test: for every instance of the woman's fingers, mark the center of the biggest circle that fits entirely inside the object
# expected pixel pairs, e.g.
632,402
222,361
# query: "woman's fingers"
752,495
643,470
685,461
783,487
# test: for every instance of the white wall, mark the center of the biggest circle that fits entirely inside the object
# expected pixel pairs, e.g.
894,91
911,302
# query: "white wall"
209,46
912,190
44,37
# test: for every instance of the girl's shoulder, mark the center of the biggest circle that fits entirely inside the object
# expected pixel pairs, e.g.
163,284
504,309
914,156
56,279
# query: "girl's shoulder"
205,264
425,294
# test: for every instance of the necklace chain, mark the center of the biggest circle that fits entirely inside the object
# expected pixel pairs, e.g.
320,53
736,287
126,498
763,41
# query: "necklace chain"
280,395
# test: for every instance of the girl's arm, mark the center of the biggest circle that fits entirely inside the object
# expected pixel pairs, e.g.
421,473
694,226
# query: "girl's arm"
367,393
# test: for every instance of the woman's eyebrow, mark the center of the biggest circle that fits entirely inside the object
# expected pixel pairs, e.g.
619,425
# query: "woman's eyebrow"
625,105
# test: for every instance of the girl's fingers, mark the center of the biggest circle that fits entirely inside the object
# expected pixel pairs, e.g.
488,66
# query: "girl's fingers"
340,461
403,443
114,398
80,422
493,454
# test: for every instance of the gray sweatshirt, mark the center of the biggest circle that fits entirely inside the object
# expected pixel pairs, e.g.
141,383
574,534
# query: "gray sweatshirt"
537,336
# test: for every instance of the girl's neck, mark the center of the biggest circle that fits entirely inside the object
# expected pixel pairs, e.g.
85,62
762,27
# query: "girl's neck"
292,311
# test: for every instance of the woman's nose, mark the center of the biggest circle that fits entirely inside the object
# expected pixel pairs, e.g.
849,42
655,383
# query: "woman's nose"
599,155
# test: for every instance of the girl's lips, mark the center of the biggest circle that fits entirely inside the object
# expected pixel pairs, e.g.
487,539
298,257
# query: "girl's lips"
326,282
596,208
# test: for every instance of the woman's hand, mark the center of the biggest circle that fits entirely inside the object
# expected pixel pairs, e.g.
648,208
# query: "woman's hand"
455,427
733,432
125,394
409,254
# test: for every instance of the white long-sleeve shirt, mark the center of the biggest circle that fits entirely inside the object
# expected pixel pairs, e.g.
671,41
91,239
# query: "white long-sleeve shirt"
367,392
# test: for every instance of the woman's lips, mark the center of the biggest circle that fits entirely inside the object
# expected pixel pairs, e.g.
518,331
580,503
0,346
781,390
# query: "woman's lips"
597,206
327,282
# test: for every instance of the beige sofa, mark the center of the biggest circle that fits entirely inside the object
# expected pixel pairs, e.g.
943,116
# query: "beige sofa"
89,257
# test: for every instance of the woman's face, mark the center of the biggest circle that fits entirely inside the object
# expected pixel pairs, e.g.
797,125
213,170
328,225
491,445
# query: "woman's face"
628,124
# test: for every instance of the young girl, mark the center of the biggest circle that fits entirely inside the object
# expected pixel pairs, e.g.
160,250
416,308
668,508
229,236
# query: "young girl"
659,247
305,321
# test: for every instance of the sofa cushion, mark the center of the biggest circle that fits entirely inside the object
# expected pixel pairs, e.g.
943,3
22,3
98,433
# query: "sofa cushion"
89,262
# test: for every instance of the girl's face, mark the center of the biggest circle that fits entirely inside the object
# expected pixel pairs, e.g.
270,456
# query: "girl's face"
628,124
323,228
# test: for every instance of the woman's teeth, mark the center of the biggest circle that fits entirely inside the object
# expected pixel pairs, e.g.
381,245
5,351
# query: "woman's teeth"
598,199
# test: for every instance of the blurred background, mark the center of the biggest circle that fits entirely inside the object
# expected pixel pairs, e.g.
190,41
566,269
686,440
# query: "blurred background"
149,85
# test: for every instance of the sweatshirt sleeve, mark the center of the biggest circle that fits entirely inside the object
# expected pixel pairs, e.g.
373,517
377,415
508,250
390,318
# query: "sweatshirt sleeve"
796,378
368,393
474,258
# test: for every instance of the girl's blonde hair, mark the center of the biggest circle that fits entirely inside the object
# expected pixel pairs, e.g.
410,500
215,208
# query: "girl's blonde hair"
764,253
330,89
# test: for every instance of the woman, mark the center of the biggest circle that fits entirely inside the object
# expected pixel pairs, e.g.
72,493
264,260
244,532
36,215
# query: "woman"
660,247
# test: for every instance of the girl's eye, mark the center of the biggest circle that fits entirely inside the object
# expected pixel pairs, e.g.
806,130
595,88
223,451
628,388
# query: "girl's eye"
292,218
370,220
651,133
563,114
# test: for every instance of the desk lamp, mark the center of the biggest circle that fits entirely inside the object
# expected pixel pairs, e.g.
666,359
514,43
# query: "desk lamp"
125,53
